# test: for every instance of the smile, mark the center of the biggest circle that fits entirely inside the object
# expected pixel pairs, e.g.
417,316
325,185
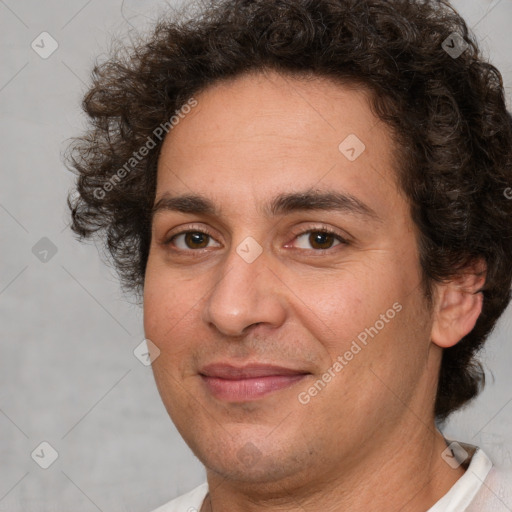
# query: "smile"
242,384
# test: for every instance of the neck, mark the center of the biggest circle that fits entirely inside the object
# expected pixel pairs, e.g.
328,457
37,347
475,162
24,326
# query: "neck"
407,473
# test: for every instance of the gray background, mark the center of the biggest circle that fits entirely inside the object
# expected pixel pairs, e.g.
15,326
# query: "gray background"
68,374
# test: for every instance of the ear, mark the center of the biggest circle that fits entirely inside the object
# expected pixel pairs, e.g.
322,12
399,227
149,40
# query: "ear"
458,305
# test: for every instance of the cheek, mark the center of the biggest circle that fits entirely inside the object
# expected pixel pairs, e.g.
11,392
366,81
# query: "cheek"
168,305
170,322
342,306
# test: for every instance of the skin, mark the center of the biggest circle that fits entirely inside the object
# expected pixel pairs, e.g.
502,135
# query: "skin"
367,440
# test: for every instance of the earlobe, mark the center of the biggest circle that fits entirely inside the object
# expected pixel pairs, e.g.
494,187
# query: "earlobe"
458,306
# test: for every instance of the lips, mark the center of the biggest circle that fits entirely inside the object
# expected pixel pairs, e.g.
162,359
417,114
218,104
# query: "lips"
250,382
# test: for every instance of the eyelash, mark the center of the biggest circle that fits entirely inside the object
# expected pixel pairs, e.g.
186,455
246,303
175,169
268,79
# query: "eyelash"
204,231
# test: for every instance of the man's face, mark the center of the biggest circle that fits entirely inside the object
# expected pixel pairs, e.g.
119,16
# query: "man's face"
253,307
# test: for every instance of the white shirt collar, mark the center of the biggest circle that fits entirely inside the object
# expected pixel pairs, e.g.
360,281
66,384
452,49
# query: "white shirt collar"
467,486
458,498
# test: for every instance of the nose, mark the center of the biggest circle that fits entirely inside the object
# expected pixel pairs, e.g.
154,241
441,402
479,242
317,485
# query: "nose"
247,293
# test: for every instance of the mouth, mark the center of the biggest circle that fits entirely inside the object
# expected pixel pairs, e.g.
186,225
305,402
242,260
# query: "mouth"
247,383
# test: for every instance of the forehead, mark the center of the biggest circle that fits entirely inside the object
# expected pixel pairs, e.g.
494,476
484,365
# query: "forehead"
261,132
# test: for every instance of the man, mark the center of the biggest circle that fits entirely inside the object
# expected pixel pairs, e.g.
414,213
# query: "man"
311,199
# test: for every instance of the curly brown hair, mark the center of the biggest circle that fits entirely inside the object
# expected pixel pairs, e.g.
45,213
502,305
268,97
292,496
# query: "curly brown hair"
447,113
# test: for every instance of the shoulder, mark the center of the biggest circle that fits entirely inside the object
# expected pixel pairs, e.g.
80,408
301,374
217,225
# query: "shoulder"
190,502
495,495
482,488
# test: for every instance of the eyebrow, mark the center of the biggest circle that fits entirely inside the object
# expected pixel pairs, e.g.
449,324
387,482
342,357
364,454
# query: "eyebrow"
281,204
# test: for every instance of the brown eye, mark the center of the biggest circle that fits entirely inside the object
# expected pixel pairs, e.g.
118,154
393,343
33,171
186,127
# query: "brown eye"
319,240
196,240
188,240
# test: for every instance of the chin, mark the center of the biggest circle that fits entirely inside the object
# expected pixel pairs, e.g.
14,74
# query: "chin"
253,459
264,470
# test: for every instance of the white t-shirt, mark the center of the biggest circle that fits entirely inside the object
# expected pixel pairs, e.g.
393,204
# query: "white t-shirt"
482,488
